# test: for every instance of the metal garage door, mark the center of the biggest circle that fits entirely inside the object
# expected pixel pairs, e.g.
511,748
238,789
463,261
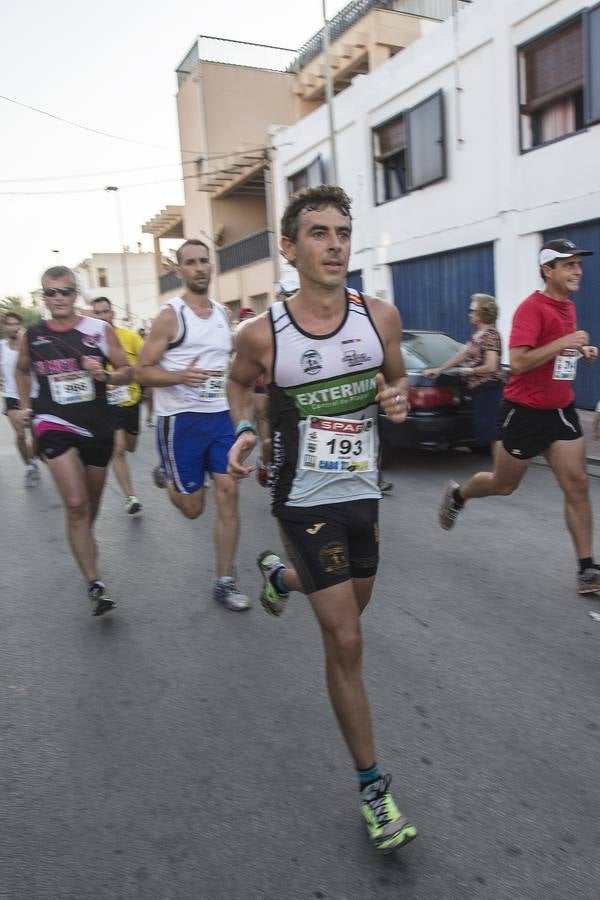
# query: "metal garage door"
586,236
433,291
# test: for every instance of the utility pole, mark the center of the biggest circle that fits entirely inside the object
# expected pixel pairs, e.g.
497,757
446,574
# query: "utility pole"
111,188
329,96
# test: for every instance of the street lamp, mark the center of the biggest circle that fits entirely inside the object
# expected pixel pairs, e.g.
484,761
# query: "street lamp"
112,188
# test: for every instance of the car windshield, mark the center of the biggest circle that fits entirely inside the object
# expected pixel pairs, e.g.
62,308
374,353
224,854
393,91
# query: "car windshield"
427,350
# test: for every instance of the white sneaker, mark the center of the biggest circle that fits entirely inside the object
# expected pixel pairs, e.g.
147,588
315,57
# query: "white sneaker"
32,475
226,592
132,506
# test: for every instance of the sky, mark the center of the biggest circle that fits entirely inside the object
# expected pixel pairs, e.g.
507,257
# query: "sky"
109,66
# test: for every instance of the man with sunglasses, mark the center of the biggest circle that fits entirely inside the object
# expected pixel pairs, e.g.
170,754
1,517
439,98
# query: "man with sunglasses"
68,355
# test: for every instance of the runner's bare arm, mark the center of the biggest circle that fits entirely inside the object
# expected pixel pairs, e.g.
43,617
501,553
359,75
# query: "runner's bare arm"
524,359
251,360
392,383
122,372
147,370
23,381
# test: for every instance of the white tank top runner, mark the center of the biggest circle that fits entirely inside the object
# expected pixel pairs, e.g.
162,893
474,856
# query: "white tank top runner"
209,341
323,410
8,358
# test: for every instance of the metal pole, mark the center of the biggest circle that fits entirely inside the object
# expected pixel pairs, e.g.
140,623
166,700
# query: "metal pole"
115,190
329,96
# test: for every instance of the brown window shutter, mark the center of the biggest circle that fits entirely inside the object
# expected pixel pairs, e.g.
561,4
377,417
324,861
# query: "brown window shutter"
554,67
391,137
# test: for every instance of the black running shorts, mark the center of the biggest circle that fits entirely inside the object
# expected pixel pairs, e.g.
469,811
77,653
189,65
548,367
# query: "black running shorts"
330,544
526,432
93,451
126,418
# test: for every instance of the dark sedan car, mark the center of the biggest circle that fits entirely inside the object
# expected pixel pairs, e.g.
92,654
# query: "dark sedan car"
440,414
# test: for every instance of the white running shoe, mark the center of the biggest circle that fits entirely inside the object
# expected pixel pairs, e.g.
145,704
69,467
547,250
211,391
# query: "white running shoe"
225,591
32,475
133,506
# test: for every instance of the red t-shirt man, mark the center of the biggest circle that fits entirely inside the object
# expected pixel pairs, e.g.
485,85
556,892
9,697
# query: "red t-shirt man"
539,320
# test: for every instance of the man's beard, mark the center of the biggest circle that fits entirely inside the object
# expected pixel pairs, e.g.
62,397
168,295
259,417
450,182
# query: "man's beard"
197,289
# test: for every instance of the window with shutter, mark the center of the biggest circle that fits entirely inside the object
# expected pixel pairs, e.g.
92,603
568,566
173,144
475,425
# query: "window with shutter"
309,176
554,67
390,160
552,78
426,149
592,45
409,150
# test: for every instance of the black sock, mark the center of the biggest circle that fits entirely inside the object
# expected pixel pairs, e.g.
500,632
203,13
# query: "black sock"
457,498
585,563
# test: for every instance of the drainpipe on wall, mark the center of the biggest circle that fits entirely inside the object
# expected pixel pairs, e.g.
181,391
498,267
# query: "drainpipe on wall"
457,80
271,213
329,96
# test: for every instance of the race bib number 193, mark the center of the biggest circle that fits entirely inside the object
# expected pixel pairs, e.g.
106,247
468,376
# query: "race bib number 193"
338,445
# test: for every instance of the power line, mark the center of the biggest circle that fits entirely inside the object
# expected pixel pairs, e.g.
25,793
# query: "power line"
115,137
87,174
205,156
96,190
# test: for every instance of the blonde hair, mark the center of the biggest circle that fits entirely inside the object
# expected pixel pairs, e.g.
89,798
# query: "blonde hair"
486,307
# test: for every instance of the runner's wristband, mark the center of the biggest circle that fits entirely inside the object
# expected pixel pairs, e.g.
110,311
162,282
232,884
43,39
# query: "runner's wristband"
244,426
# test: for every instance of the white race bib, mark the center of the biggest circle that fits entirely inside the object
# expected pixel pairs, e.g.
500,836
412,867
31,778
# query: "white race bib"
338,445
118,393
565,365
213,388
209,391
72,387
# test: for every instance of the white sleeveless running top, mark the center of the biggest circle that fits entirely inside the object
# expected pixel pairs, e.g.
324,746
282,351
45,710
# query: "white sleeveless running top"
322,409
210,342
8,358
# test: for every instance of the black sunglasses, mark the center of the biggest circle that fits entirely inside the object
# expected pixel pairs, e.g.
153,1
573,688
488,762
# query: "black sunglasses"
64,292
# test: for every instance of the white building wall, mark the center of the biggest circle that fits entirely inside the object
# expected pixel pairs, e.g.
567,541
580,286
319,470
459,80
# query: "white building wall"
492,192
141,278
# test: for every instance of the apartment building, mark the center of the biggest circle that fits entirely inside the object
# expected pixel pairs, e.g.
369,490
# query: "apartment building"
127,279
463,154
231,98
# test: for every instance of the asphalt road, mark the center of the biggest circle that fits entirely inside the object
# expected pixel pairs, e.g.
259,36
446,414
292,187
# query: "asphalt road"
178,751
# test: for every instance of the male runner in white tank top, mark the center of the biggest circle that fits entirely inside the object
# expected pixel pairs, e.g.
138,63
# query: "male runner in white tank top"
328,357
9,352
185,360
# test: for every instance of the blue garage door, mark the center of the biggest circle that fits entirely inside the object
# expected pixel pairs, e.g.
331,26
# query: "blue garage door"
354,280
434,291
586,236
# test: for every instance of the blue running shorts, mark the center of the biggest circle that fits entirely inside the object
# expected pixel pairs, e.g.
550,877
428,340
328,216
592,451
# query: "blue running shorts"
191,444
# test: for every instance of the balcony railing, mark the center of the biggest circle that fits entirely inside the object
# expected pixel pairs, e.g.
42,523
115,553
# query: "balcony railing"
207,48
350,14
169,282
244,252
